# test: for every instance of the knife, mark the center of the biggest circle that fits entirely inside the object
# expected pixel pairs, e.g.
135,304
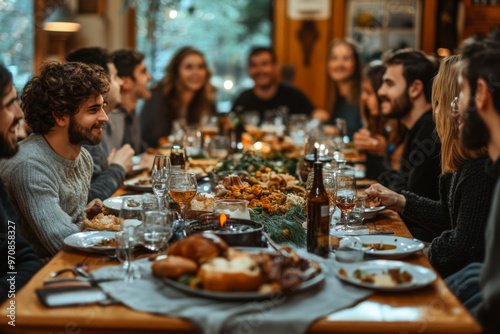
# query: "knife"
75,282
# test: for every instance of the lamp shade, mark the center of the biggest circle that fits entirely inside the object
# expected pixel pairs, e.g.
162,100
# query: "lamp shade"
61,20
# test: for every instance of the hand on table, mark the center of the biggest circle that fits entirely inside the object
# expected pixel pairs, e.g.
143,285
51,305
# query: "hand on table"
94,208
365,141
147,161
391,199
122,157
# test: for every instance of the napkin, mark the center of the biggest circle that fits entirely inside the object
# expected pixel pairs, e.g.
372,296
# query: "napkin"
283,313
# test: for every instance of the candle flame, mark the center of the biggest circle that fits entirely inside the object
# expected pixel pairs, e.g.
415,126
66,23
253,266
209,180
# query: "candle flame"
222,219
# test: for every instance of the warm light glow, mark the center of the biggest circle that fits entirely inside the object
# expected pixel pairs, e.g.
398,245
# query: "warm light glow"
61,26
443,52
222,219
228,84
172,14
257,145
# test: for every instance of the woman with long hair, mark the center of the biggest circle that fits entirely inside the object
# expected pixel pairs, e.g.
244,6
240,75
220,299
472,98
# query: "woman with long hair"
184,95
344,71
456,223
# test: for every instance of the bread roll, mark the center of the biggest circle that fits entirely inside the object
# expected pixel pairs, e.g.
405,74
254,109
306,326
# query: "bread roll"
174,267
199,248
241,274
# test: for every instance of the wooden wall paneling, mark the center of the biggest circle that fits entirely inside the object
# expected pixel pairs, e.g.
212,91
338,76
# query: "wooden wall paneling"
41,38
338,19
428,44
280,30
131,26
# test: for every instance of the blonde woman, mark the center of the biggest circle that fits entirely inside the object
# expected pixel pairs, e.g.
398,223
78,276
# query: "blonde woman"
456,223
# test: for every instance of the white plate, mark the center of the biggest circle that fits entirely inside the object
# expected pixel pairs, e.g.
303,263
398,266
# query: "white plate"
139,187
371,213
404,246
115,203
421,276
85,241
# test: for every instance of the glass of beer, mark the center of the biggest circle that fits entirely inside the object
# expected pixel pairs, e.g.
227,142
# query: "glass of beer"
182,188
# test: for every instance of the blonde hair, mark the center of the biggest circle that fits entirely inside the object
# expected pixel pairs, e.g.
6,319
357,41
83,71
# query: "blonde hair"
444,90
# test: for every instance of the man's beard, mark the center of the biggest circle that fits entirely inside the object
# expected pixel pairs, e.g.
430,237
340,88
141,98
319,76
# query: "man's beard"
400,107
7,148
475,133
78,135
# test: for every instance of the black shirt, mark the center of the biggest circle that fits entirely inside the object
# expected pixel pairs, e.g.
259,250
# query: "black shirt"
287,96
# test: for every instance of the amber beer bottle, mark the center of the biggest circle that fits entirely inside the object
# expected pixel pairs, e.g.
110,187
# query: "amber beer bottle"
318,225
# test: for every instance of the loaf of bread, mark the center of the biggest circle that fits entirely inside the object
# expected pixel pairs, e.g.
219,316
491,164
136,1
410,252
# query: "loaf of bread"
174,267
200,248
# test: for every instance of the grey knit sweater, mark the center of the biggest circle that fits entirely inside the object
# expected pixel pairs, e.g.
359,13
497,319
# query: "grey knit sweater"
49,193
457,220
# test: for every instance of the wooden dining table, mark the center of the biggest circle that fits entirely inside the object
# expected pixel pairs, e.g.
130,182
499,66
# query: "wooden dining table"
432,309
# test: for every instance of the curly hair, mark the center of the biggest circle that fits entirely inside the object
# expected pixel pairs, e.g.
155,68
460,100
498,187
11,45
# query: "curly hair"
172,87
60,89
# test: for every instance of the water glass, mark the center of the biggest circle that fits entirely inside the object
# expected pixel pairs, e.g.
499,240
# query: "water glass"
194,141
357,215
234,208
125,242
219,147
130,216
158,228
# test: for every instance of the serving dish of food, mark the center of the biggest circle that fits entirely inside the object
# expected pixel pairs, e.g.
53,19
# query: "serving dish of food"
103,222
92,241
385,275
203,265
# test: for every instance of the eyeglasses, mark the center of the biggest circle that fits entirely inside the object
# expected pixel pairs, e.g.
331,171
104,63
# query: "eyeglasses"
454,107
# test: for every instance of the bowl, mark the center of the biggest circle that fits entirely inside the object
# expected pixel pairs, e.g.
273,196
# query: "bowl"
371,212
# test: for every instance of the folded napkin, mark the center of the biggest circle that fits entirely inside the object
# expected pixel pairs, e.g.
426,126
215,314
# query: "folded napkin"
283,313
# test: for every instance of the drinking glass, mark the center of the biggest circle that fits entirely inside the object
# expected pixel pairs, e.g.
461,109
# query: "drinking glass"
219,147
182,188
159,175
178,158
329,183
209,126
357,216
194,141
123,242
158,228
345,197
130,216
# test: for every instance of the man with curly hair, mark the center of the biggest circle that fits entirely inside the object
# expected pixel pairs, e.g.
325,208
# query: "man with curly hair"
48,180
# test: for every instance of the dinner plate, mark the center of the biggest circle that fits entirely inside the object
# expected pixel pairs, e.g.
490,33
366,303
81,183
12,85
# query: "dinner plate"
404,246
309,284
115,203
133,184
85,241
421,276
371,212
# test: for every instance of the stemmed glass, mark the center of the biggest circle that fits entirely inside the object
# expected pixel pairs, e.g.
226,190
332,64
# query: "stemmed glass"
182,188
130,218
159,176
329,183
345,197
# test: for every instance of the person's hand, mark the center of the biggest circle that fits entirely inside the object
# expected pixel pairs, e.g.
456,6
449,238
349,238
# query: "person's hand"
365,141
94,208
147,161
392,200
122,157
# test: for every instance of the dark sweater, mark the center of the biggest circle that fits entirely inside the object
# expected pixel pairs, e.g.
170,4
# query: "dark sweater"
420,163
105,179
488,310
26,263
457,221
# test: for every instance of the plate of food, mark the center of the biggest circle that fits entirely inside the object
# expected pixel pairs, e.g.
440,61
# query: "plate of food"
115,203
389,247
103,222
142,183
92,241
371,212
385,275
203,265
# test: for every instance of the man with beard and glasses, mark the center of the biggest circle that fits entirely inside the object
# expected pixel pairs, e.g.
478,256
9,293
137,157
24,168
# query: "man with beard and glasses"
124,127
268,93
27,264
478,286
110,167
48,180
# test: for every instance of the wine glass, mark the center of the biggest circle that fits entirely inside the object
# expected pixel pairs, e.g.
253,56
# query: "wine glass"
329,183
182,188
130,218
345,197
159,175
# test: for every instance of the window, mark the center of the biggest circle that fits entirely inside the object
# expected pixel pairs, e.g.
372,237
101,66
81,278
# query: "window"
16,39
224,30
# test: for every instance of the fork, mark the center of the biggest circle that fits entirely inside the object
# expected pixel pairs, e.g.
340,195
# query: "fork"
77,270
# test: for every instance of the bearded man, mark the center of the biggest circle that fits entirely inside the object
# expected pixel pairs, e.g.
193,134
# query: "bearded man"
48,180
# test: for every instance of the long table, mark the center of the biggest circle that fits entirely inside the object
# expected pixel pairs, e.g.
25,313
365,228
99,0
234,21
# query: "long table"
433,309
